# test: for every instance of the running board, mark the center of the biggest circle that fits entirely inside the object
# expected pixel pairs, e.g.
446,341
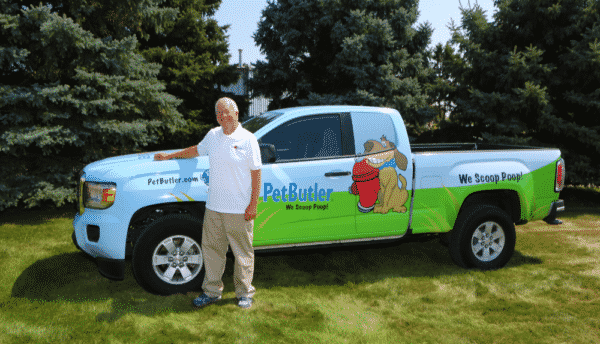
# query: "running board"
328,243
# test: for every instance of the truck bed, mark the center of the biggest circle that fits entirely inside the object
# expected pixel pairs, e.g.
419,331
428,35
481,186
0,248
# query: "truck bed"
440,147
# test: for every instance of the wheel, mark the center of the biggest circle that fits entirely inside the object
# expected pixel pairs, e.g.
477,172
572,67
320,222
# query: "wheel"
167,256
484,237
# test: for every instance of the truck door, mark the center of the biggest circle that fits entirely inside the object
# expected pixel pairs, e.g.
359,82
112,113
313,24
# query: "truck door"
382,174
304,193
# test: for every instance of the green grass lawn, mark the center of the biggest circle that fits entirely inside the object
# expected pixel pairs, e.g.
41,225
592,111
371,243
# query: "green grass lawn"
407,292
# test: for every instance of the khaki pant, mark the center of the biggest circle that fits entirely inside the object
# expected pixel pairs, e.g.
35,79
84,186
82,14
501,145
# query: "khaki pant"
219,230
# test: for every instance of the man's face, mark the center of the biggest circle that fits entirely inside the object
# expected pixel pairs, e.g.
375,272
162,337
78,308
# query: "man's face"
225,115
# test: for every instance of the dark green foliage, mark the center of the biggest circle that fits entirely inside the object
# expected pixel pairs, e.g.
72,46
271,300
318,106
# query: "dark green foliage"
180,36
443,87
85,80
533,77
344,52
67,99
194,56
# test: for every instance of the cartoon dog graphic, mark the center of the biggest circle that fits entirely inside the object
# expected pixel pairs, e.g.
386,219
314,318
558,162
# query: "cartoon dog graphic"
375,178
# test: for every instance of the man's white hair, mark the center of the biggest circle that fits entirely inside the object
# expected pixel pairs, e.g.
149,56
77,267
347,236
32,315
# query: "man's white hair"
228,103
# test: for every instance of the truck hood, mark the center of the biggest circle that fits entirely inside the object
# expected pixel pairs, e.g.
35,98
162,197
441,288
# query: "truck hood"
125,167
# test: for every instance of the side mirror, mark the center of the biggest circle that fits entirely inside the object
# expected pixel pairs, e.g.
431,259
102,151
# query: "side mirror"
267,153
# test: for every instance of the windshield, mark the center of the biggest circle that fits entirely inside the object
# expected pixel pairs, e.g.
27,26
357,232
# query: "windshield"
257,122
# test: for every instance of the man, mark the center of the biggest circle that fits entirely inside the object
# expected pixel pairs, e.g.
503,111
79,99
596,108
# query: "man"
234,158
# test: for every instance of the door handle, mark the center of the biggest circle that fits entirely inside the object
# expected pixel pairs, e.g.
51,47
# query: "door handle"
337,174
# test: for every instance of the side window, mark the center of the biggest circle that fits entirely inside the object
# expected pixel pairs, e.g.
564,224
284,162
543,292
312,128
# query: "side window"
307,137
369,126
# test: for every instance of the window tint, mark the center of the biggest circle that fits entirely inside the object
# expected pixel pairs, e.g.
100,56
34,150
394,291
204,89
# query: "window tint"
255,123
372,126
307,137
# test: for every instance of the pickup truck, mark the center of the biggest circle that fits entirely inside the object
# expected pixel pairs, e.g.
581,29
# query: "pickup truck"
331,175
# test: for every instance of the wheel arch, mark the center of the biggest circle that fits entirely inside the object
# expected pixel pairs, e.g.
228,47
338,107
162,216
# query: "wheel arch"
146,215
507,200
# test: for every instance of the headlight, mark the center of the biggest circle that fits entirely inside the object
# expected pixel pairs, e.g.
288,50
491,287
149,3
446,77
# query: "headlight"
99,195
80,185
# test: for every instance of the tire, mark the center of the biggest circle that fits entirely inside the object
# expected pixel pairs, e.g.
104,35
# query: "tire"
484,237
159,247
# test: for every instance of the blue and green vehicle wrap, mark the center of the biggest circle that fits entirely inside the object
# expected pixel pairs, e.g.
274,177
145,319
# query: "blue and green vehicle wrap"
330,175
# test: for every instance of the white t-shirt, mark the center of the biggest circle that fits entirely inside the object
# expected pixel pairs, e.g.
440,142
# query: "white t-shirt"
231,157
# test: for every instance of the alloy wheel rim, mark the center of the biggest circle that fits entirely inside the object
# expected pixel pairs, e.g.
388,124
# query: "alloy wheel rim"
177,259
488,241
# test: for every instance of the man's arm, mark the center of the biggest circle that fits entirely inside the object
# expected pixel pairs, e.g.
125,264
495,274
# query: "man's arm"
256,175
190,152
251,210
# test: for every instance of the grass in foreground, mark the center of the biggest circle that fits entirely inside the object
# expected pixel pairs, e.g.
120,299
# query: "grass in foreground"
409,292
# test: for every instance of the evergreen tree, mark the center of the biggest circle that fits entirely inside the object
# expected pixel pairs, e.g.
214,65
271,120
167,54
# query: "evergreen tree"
68,98
533,77
194,58
344,52
443,87
182,37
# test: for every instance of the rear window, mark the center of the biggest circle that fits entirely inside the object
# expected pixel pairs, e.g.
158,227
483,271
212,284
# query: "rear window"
372,126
